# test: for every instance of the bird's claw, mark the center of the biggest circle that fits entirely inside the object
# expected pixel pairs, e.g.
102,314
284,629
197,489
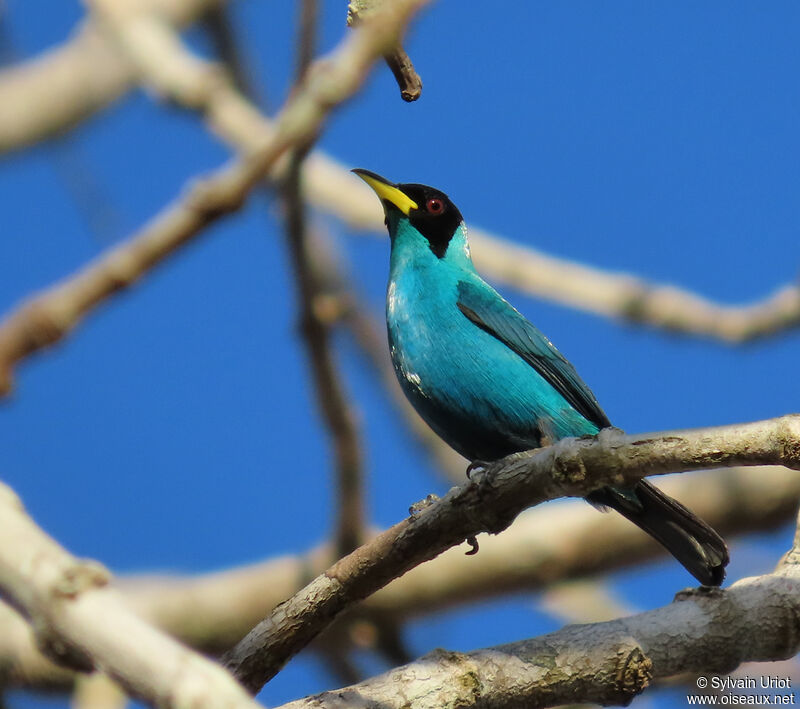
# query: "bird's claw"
476,466
695,591
473,542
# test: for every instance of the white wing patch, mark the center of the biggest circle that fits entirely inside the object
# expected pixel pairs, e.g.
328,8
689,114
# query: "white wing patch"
391,297
412,378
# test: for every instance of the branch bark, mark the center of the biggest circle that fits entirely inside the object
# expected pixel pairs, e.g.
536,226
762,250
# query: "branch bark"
489,503
607,663
406,76
82,623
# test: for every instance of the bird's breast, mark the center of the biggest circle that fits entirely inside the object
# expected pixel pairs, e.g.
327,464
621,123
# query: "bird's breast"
475,392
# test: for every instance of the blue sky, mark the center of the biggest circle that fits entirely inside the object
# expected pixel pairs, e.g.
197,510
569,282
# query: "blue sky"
176,428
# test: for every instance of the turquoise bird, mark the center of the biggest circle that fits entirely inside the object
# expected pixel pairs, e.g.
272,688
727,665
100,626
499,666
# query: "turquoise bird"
486,380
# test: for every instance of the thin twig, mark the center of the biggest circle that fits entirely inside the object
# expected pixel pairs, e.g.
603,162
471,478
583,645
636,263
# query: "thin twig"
339,418
222,32
572,467
314,320
397,59
405,74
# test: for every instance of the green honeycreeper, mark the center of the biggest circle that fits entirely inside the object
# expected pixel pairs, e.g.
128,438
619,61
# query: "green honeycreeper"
486,380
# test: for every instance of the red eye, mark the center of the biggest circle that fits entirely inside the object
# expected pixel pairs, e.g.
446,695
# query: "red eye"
434,206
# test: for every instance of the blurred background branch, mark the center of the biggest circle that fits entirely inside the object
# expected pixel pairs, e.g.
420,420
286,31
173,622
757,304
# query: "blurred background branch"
92,71
315,319
82,624
50,94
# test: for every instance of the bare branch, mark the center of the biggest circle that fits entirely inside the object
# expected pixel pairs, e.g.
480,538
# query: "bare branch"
607,663
701,631
572,467
398,61
82,623
332,400
97,691
549,544
405,74
48,316
46,96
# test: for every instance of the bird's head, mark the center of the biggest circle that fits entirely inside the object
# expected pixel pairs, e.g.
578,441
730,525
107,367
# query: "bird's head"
423,209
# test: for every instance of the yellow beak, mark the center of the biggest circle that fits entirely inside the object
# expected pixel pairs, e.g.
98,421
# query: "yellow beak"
387,191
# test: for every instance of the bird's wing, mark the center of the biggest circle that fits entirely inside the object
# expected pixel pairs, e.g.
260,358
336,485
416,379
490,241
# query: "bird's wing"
486,309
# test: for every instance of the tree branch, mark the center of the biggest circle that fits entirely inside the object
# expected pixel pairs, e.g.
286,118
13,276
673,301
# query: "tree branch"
607,663
97,691
489,503
397,60
632,299
83,624
47,317
45,97
549,544
332,400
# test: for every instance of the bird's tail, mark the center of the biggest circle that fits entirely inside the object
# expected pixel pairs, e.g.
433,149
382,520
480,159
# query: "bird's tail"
690,540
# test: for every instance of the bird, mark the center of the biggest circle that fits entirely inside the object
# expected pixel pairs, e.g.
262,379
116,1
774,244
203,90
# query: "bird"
487,381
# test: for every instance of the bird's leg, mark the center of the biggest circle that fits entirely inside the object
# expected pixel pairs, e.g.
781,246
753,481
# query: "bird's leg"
476,466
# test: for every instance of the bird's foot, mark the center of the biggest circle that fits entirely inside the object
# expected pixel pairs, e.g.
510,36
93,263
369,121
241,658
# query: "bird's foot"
704,591
473,542
416,509
476,466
